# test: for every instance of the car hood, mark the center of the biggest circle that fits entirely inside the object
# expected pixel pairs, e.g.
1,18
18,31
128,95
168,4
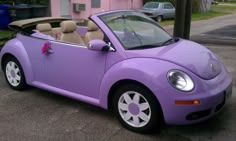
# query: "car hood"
192,56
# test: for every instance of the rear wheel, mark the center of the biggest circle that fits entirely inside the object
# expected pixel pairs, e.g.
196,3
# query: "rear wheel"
159,18
136,108
14,74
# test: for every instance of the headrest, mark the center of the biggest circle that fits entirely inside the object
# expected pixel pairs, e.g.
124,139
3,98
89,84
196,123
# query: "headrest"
92,26
44,27
68,26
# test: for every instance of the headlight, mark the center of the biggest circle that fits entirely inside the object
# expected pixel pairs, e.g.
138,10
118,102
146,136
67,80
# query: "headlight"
180,80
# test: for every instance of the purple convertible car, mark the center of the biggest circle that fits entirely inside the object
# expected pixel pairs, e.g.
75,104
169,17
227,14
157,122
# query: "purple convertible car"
123,61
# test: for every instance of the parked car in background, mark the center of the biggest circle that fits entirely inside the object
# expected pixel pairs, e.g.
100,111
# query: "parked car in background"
159,10
214,2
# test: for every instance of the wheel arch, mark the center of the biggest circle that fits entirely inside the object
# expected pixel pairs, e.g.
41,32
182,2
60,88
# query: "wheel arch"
4,57
14,48
123,82
150,75
129,71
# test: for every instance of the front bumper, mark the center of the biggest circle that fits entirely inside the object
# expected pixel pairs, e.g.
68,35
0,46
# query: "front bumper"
213,107
190,114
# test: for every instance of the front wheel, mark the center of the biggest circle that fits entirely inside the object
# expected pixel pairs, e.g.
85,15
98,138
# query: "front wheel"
14,74
136,108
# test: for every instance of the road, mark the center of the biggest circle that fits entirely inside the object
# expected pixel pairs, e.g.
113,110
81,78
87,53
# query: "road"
40,116
202,26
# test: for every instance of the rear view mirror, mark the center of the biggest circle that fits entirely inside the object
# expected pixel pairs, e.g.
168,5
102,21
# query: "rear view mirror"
100,45
97,45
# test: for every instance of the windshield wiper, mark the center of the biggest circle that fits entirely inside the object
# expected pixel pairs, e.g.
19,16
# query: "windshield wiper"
169,41
143,47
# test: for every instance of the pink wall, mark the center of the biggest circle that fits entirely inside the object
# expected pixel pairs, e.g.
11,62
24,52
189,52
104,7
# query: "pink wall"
119,4
137,4
105,6
89,11
55,8
126,4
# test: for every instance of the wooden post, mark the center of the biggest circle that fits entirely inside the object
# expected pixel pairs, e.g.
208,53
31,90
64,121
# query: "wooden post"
179,18
183,16
188,17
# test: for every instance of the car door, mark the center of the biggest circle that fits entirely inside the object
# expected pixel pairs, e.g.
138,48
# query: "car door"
168,10
172,11
74,68
33,48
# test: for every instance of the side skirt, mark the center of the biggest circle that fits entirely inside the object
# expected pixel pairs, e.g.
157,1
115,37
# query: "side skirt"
66,93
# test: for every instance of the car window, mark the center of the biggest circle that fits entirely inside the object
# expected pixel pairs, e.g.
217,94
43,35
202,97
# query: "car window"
168,6
55,33
135,30
151,5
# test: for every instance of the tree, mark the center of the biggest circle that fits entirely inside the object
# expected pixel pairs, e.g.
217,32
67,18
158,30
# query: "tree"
201,5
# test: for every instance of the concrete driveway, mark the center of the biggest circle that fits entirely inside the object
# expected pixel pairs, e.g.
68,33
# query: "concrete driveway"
37,115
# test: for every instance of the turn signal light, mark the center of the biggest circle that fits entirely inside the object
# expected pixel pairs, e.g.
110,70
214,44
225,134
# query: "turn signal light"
193,102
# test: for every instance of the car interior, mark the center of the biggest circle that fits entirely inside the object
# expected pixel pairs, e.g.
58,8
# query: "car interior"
68,31
93,32
44,28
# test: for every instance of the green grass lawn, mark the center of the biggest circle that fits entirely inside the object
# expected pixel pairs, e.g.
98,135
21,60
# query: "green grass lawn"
216,10
224,8
231,2
5,34
197,17
1,43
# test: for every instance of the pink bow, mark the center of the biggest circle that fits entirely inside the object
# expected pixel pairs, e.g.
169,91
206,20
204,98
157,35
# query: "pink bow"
45,47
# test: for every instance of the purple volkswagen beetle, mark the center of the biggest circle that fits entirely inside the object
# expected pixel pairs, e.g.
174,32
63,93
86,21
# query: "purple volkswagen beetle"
123,61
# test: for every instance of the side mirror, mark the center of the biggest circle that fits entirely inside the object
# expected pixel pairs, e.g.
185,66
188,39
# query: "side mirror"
98,45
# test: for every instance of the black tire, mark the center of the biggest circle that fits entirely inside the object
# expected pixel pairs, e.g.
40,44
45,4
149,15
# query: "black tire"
155,120
21,83
159,18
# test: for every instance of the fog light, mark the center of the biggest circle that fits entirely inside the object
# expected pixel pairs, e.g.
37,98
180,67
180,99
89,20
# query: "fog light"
193,102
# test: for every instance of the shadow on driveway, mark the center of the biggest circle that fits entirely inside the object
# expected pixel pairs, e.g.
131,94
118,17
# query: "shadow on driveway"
222,36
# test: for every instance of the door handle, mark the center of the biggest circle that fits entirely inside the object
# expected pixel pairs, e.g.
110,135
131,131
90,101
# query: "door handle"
50,50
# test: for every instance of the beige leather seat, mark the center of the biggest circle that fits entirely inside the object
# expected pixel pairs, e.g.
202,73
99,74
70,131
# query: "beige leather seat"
45,28
93,32
69,33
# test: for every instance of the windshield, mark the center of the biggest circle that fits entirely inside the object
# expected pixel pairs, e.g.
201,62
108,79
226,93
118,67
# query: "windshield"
151,5
135,30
